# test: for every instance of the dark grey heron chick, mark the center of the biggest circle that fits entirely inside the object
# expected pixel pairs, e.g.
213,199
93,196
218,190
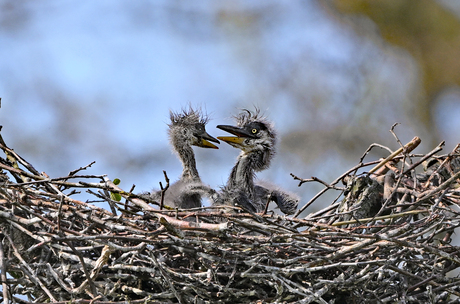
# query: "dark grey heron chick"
186,129
255,136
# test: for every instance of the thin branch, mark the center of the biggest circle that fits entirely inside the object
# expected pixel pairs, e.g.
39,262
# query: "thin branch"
5,287
430,154
394,134
406,149
72,173
29,272
163,190
338,179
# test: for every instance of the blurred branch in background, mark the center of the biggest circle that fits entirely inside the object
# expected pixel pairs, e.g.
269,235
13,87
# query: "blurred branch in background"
428,30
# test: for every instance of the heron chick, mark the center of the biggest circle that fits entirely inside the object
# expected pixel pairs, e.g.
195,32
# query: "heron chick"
255,136
187,129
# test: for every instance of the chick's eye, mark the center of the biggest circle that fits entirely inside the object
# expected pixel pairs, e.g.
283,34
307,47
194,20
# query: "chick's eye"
254,131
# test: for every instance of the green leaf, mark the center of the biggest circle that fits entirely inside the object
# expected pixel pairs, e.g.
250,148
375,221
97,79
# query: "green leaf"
115,196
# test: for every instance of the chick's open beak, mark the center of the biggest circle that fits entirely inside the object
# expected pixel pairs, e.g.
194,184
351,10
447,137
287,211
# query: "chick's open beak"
232,139
206,141
241,134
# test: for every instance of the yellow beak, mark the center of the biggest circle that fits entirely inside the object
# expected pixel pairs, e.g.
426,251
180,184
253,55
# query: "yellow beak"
232,139
207,144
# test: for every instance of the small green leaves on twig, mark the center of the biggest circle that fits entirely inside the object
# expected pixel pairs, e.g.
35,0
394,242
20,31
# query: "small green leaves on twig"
115,196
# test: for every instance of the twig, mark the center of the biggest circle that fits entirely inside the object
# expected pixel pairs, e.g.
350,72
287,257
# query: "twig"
378,218
266,205
407,148
354,169
126,200
394,134
370,148
416,164
72,173
163,190
441,187
61,201
29,271
5,287
89,280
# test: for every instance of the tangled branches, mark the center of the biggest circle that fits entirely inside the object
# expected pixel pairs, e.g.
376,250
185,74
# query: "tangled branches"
386,238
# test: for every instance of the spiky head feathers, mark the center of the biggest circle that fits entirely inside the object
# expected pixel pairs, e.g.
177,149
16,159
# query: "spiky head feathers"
188,118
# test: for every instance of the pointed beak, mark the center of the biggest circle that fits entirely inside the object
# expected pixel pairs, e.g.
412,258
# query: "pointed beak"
206,141
241,134
232,139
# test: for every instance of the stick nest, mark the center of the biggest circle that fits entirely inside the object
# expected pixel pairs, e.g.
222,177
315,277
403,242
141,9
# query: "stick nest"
386,238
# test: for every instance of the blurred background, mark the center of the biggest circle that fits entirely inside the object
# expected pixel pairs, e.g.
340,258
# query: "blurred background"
84,81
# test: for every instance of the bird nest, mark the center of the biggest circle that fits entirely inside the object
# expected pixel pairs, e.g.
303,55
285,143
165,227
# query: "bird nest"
386,238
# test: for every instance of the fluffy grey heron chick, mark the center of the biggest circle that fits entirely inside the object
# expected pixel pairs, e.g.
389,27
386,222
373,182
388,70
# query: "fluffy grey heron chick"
186,129
255,136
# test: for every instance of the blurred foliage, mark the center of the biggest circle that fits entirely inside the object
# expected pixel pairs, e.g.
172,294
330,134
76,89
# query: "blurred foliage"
425,28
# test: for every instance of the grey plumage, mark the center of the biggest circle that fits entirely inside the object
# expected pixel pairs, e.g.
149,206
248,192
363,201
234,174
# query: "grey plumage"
287,202
256,138
186,129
